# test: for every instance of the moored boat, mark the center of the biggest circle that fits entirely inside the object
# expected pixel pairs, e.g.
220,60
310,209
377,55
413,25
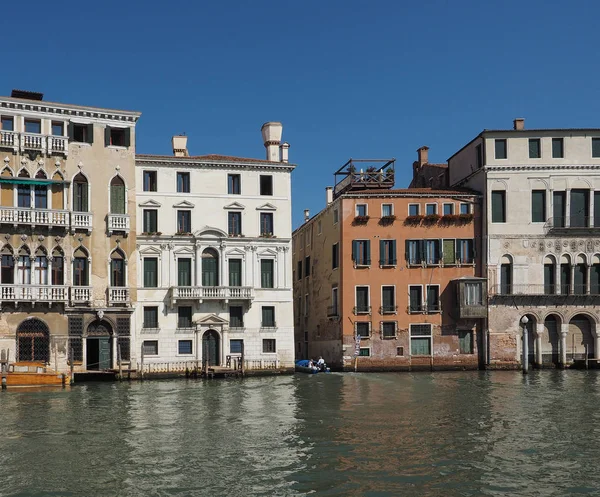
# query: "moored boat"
304,366
33,375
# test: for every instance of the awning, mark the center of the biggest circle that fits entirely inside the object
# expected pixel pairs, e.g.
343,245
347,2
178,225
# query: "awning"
31,181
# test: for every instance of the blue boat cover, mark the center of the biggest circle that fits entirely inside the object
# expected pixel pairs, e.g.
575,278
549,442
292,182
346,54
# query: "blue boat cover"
303,363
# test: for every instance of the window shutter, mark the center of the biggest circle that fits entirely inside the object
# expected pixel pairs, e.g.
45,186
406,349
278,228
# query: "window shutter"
127,137
107,136
117,199
406,251
448,250
368,251
84,197
354,249
473,249
382,253
422,255
394,259
90,133
70,132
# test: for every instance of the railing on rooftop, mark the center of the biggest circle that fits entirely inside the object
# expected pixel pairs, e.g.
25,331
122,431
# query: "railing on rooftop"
364,174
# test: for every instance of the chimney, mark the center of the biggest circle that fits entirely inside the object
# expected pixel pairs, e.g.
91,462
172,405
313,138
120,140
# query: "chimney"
329,194
519,124
284,149
306,215
423,155
179,143
271,133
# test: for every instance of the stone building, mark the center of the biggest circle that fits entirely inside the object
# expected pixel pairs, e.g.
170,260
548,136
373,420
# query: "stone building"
388,279
67,195
541,234
214,238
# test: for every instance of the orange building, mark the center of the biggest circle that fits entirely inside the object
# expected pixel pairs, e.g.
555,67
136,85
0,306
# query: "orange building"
388,279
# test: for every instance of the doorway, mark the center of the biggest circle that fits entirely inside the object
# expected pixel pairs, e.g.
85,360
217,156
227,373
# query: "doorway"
210,347
98,353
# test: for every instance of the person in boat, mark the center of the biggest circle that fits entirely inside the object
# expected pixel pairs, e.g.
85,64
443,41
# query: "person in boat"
321,364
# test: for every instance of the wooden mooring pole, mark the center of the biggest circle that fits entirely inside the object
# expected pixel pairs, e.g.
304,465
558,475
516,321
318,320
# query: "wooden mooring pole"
4,364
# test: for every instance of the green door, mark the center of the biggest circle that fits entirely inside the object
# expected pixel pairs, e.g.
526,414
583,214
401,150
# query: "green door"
210,347
104,353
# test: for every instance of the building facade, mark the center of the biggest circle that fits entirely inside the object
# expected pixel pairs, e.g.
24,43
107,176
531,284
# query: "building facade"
67,195
388,279
214,238
541,229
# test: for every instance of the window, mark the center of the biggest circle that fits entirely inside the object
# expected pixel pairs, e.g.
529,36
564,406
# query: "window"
299,270
388,329
413,209
558,151
361,252
506,279
269,346
8,269
117,195
235,272
116,137
535,149
33,126
149,181
334,301
80,271
80,194
184,272
335,216
448,209
58,270
449,252
362,300
579,208
473,294
538,206
432,251
266,273
307,266
266,223
387,252
465,253
210,267
361,210
184,221
183,182
236,316
40,274
335,255
58,128
7,123
364,352
415,298
236,346
565,278
234,222
150,272
420,339
430,209
465,208
498,206
82,133
559,208
184,316
597,209
595,147
150,347
478,156
234,184
388,299
24,269
184,347
500,149
150,220
150,317
266,185
399,351
433,298
23,196
465,342
414,251
387,210
549,278
306,305
363,329
319,228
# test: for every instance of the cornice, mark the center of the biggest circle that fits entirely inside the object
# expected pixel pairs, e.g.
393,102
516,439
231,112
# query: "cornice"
178,162
535,167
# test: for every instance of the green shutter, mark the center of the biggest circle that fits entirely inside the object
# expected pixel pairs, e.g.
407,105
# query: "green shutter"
579,212
449,256
127,137
498,208
150,273
70,131
393,255
354,249
107,136
368,252
117,199
184,272
406,251
382,254
538,206
90,133
84,197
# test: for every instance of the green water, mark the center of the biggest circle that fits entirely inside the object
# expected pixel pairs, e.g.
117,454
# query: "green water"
446,434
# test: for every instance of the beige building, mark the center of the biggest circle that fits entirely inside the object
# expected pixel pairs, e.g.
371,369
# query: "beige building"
67,218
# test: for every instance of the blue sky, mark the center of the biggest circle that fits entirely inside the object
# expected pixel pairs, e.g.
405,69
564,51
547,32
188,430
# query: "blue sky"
350,78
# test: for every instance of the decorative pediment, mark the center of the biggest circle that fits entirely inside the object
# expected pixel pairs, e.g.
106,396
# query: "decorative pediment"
266,207
212,320
235,252
210,232
235,206
267,253
150,251
150,203
184,204
183,251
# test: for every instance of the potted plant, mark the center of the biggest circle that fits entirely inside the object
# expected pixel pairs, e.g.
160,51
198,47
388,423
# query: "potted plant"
448,219
413,220
431,218
386,220
465,218
361,219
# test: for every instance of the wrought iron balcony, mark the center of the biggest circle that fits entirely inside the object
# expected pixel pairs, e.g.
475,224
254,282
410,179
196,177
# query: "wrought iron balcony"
201,293
118,295
34,293
362,309
34,217
81,295
118,223
81,221
388,309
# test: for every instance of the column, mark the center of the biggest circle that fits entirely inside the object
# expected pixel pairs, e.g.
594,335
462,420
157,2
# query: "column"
588,274
198,266
591,208
572,282
286,280
539,333
224,344
279,269
223,278
567,207
564,330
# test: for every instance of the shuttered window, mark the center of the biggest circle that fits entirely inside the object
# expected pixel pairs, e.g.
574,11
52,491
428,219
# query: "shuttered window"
596,209
117,196
388,299
387,252
361,252
506,279
184,316
535,149
150,272
150,221
538,206
235,272
184,272
415,294
595,279
150,317
335,255
580,281
266,273
596,147
268,317
549,279
362,299
565,279
557,148
498,206
580,208
558,209
449,256
500,149
433,298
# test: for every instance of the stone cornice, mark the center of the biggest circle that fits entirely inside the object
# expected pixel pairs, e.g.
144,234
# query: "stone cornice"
182,162
537,167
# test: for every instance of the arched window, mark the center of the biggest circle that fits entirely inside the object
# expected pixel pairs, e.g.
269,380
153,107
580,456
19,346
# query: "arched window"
40,267
8,266
40,192
506,275
549,275
595,275
117,268
80,268
565,275
210,267
7,188
80,194
33,341
117,196
580,276
57,192
58,267
24,267
24,191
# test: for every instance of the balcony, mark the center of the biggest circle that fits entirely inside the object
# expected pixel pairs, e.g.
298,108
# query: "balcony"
549,290
388,309
81,221
364,174
118,223
9,139
34,141
58,144
81,295
201,293
34,217
118,295
572,226
362,309
34,293
332,311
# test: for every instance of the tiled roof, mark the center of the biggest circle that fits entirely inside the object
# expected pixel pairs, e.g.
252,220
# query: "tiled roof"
209,157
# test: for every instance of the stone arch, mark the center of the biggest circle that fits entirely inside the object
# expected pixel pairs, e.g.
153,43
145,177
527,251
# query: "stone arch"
81,265
580,341
99,337
505,274
211,347
24,173
117,195
33,341
57,191
550,339
41,174
80,187
118,268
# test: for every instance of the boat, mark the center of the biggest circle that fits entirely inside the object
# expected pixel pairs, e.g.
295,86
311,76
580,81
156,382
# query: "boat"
302,366
33,375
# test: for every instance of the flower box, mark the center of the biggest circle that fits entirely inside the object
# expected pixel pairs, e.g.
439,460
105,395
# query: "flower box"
431,218
361,219
413,220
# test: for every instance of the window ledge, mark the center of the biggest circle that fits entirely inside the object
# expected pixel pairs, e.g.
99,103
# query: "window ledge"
395,337
81,144
117,147
185,330
150,330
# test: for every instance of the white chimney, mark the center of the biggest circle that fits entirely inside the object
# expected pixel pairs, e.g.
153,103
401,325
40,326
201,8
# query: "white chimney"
284,149
271,133
329,194
179,143
306,215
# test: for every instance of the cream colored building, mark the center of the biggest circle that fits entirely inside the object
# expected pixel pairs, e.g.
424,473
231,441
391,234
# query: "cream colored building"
541,239
68,269
214,235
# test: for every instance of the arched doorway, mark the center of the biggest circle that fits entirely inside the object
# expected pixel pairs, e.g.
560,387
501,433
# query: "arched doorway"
33,341
98,346
580,341
210,347
551,341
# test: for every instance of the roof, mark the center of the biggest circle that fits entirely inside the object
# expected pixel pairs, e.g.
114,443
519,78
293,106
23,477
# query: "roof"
43,103
444,164
211,158
407,192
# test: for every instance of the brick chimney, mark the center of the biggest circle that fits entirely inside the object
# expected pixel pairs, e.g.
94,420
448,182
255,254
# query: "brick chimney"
519,124
179,143
423,155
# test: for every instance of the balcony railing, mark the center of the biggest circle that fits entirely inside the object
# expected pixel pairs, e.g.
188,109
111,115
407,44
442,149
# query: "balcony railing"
118,295
332,311
34,217
81,221
388,309
541,289
362,309
81,295
58,144
34,141
572,224
201,293
118,222
9,139
34,293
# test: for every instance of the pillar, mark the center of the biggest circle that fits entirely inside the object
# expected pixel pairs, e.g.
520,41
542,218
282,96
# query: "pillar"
539,333
198,267
567,208
588,274
564,330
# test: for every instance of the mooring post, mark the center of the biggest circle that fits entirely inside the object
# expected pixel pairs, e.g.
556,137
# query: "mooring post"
524,321
142,364
72,378
4,362
119,360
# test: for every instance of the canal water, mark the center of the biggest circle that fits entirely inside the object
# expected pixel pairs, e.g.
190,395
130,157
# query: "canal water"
446,434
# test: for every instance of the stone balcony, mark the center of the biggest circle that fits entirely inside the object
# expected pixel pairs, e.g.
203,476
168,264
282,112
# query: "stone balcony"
81,295
34,293
118,296
81,221
32,141
118,223
202,293
34,217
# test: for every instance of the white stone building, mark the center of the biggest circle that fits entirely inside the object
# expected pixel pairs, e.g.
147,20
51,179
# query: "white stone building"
541,235
215,276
